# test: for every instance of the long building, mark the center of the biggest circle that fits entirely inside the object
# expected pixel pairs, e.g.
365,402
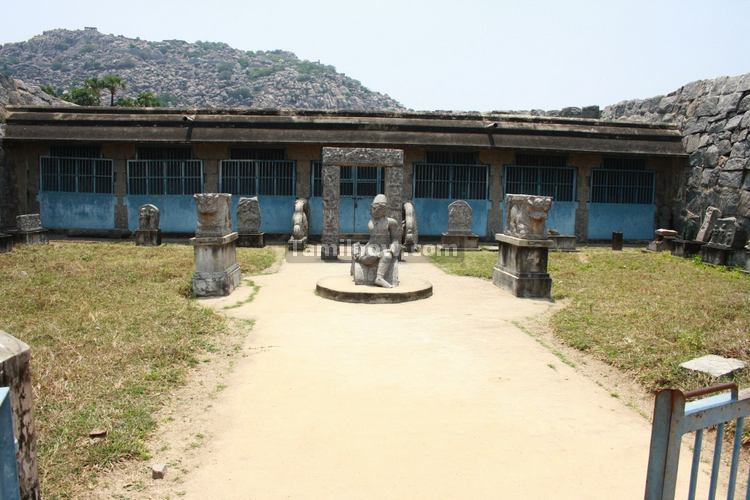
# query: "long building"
89,169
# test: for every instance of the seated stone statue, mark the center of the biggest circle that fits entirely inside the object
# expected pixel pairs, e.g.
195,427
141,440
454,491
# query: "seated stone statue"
375,263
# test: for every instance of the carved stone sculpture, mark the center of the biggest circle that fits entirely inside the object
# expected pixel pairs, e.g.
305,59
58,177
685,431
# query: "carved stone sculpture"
376,262
526,216
707,226
524,247
29,230
248,223
300,227
459,233
214,217
410,231
216,269
725,245
148,233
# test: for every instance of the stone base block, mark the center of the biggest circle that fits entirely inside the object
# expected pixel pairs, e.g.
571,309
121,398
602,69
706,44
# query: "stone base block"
216,270
522,267
36,237
342,289
460,241
251,240
662,244
6,243
213,284
719,256
147,237
329,251
297,245
686,248
563,243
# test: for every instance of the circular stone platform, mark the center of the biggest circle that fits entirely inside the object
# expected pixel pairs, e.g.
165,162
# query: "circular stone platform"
343,289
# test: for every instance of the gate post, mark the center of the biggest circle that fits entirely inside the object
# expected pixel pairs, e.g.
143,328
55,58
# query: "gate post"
15,374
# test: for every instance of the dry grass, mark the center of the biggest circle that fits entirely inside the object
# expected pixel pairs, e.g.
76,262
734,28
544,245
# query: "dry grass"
643,313
112,331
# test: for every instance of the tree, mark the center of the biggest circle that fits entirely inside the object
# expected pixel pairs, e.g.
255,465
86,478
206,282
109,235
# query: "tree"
83,96
112,83
50,90
95,87
148,100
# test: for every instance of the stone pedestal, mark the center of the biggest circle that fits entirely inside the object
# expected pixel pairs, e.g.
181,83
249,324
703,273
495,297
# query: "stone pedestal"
663,242
252,240
33,237
461,241
522,266
563,243
147,237
617,241
6,243
717,255
686,248
297,245
216,270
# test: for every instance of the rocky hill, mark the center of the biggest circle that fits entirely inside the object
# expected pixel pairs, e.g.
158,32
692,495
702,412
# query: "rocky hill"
201,74
17,93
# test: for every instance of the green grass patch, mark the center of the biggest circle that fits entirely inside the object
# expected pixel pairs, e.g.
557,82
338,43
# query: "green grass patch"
641,312
112,331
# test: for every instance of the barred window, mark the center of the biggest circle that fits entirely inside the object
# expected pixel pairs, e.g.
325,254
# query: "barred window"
449,181
557,182
159,177
354,181
622,186
258,177
77,175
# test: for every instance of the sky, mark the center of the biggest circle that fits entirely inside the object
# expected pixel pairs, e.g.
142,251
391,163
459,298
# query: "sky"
471,55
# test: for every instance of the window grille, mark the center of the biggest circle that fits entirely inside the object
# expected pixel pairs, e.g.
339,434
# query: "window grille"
258,177
449,181
354,181
557,182
622,186
77,175
159,177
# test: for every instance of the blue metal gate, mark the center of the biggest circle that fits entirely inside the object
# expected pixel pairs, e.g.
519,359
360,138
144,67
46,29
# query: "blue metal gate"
557,182
673,418
622,200
9,488
272,181
437,185
358,187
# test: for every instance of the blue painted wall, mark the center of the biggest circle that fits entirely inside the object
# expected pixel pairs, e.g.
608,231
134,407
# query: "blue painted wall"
432,216
60,210
316,215
562,216
635,221
177,211
275,213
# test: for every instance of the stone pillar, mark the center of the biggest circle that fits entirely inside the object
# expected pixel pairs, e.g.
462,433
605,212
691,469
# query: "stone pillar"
333,159
120,154
148,233
15,373
331,193
497,161
583,163
216,270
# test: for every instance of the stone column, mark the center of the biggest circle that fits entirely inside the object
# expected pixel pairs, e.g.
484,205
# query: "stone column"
584,163
120,154
331,194
497,160
14,373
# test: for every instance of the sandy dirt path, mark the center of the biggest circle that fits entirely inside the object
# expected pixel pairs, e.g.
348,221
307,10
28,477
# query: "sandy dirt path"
436,399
